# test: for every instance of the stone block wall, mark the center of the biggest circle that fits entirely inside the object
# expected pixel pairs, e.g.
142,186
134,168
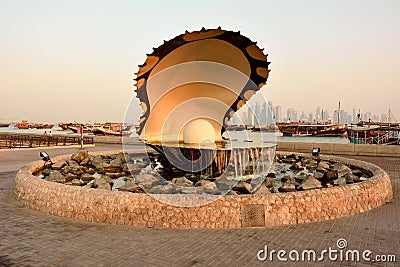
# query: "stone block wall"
138,209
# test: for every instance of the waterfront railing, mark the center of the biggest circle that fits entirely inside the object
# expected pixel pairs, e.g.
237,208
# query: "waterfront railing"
10,140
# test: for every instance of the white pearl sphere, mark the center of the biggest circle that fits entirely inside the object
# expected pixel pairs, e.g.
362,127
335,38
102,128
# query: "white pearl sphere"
198,131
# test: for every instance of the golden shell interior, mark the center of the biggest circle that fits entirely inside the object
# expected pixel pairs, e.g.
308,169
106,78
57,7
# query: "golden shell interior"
204,75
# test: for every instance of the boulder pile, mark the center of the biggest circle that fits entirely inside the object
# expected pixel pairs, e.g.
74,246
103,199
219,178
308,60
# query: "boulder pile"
132,173
293,173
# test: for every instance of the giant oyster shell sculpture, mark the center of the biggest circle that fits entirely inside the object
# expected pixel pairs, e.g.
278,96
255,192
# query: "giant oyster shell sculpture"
191,85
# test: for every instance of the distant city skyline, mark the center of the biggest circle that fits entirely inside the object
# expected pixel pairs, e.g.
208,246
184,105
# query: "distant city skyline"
75,60
267,113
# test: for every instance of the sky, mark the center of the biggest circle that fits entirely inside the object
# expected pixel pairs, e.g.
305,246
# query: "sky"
75,60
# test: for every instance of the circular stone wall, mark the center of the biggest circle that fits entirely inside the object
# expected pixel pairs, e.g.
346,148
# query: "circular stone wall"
139,209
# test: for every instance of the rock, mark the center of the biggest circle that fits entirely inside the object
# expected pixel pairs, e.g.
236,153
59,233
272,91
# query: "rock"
212,189
56,176
154,190
133,168
331,175
115,175
300,177
323,165
121,157
182,181
72,162
129,158
356,179
202,182
192,190
143,165
65,169
288,160
96,175
242,187
318,175
169,189
90,184
341,169
310,183
84,162
91,171
59,164
262,190
103,183
357,172
224,184
97,162
118,183
340,181
366,174
288,186
231,193
70,176
117,163
269,183
350,178
109,169
77,182
310,163
296,166
131,186
285,178
79,155
46,172
147,180
86,177
77,170
292,156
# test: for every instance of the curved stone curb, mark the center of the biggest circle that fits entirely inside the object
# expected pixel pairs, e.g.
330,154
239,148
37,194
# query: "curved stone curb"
138,209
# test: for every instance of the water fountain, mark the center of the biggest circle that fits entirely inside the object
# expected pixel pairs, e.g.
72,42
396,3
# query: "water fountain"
189,88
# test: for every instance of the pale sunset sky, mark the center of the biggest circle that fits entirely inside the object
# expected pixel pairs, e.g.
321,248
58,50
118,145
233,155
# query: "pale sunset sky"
75,60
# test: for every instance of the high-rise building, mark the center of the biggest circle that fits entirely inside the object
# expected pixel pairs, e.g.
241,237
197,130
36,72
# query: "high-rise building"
303,117
278,114
318,114
270,113
244,118
291,114
326,116
369,115
310,117
263,115
257,115
250,116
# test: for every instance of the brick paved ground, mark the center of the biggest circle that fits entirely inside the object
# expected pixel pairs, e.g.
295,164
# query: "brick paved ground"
31,238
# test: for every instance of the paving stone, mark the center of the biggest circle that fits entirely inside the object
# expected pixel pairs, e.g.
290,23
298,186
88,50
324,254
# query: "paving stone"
32,238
